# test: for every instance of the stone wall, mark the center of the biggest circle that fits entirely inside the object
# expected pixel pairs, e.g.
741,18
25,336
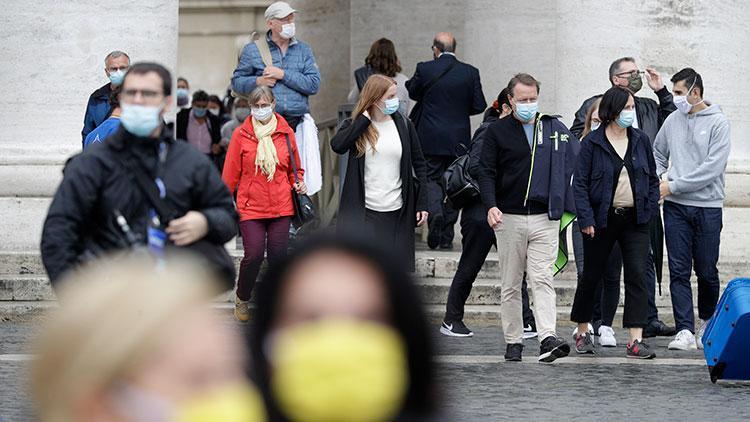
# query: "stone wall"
53,59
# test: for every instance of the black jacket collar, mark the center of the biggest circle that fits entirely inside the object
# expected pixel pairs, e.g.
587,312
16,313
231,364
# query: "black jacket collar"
122,139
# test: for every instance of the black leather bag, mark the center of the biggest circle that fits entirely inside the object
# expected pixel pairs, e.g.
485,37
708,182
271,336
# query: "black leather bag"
460,188
304,209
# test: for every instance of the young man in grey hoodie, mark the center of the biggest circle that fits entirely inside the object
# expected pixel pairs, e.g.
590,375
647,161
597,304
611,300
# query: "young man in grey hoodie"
692,148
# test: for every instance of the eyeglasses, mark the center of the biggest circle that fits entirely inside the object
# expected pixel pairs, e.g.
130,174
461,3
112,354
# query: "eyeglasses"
630,74
130,94
115,68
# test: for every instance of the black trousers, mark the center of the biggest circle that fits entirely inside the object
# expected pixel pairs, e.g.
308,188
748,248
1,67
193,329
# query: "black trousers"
477,240
634,244
607,296
442,216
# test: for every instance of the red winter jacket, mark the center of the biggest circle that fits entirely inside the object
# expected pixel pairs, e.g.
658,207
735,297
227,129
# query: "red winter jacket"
258,198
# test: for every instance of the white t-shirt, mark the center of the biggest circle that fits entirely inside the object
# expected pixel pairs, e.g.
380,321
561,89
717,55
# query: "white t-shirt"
383,170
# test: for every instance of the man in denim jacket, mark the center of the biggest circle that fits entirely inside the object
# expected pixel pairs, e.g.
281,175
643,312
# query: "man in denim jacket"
294,75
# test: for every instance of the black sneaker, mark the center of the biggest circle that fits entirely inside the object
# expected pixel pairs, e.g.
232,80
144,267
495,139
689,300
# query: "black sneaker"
553,348
433,235
455,329
658,328
513,352
584,344
529,331
446,246
640,350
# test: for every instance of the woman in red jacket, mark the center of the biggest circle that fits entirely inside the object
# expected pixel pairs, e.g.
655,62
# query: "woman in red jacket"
258,169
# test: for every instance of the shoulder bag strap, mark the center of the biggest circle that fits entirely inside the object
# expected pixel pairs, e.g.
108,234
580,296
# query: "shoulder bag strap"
148,188
265,52
438,77
291,157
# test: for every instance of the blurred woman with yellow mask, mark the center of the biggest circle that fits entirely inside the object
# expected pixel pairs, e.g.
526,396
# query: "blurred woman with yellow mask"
340,336
133,342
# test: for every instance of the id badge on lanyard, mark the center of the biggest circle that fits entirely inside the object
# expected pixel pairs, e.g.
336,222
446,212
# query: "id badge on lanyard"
157,237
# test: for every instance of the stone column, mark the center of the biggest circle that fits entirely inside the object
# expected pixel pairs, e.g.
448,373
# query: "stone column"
53,59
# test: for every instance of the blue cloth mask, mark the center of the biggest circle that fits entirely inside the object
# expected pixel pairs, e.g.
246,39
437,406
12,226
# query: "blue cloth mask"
140,120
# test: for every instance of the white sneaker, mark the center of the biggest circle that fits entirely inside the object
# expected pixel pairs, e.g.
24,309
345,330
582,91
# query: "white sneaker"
607,337
699,334
684,340
575,331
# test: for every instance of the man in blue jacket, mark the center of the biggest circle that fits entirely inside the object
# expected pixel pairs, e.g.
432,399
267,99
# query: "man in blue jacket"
294,75
447,92
527,163
98,109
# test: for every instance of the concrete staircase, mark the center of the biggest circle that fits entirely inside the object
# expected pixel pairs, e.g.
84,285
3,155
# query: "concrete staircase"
25,292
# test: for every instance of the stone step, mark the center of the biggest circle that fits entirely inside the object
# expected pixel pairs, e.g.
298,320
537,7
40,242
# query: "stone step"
31,287
429,264
474,314
487,292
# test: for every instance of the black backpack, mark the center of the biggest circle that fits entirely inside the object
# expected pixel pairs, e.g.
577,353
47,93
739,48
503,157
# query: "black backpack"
459,187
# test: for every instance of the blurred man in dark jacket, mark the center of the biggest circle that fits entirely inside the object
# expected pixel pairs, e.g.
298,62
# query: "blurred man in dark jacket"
99,206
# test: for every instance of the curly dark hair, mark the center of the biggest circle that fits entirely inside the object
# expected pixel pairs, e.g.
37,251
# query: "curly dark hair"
382,58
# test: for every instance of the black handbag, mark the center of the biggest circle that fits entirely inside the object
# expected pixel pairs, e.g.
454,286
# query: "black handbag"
460,188
304,209
215,254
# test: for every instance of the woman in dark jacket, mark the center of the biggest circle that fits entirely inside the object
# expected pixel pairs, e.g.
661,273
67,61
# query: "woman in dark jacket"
617,192
379,193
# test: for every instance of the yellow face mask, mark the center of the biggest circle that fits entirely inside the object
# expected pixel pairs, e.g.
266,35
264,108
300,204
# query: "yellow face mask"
339,370
238,403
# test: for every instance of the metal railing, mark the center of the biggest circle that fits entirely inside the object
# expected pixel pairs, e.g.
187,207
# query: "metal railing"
327,199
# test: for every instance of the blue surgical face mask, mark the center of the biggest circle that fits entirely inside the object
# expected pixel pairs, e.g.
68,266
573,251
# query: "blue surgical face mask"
140,120
391,106
199,111
626,118
116,77
526,111
595,125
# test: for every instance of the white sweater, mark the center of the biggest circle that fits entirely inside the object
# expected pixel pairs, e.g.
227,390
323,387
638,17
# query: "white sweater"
383,170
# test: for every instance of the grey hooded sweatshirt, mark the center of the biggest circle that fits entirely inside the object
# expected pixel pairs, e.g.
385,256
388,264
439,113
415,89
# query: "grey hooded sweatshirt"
693,150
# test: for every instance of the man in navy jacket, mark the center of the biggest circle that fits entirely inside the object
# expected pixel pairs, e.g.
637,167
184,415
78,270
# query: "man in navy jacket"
526,166
98,109
447,92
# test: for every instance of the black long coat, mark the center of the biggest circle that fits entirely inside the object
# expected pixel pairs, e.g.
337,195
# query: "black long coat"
351,216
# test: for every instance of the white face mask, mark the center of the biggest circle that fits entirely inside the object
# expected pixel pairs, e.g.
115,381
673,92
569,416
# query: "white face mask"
681,101
287,30
262,114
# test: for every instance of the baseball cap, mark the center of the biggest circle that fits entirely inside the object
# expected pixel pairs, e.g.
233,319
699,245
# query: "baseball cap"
278,10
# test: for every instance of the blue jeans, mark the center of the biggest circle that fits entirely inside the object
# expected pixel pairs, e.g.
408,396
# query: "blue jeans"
692,236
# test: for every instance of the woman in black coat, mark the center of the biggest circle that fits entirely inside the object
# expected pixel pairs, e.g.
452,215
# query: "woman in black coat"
380,197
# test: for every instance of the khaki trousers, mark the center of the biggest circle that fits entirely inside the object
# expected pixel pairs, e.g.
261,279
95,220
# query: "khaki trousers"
527,243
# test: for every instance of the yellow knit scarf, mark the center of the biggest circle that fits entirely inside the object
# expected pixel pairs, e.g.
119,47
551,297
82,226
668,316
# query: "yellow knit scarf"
266,158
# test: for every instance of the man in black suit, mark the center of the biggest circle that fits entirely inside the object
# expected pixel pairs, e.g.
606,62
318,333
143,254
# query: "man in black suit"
447,92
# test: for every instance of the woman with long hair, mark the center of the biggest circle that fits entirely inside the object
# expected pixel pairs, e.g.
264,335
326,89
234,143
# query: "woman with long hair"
380,193
259,169
382,60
